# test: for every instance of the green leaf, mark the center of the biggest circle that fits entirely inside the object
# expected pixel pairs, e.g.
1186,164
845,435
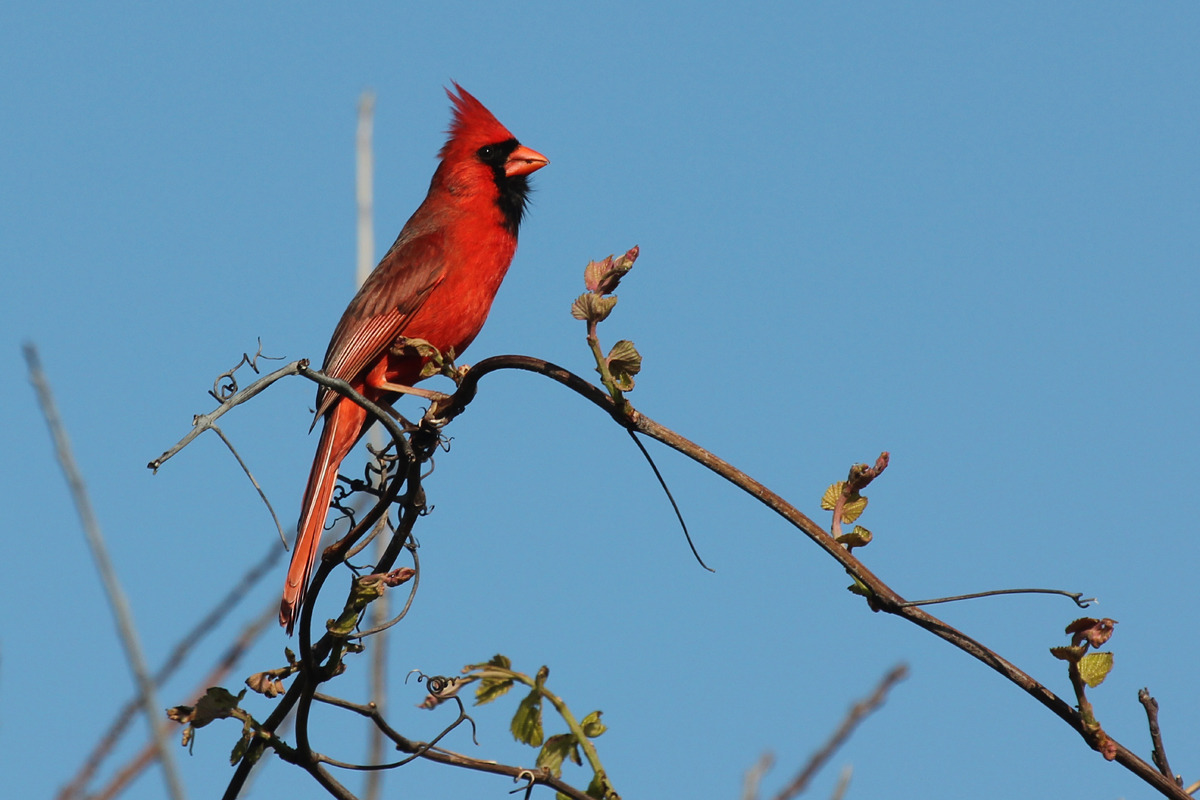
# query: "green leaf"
582,306
217,703
860,588
856,504
491,688
527,722
592,726
592,307
859,537
852,509
239,750
556,750
624,361
1094,668
363,591
829,499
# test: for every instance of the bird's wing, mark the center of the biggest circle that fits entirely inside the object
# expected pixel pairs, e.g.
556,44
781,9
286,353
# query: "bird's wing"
381,309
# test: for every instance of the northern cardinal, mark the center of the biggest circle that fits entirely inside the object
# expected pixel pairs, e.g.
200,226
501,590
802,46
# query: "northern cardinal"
436,283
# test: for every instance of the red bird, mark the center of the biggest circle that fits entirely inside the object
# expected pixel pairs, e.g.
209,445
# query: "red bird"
436,283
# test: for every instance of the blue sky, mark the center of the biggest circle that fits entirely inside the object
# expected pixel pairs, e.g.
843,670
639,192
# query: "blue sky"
963,234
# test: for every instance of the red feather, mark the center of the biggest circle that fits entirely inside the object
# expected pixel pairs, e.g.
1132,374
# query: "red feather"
436,283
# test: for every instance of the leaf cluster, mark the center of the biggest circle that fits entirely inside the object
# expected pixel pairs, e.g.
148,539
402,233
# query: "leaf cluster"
601,279
496,677
217,703
1090,670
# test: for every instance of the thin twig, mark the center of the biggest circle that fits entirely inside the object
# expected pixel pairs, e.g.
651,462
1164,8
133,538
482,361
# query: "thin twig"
228,660
1076,596
843,783
443,756
250,475
363,189
374,534
126,629
753,777
173,661
1159,754
203,422
857,713
420,751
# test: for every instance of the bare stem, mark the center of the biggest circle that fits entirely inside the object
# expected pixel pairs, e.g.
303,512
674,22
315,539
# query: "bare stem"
857,713
126,629
249,635
1159,753
173,661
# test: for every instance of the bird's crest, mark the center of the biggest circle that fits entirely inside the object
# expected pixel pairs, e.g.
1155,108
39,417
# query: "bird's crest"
473,125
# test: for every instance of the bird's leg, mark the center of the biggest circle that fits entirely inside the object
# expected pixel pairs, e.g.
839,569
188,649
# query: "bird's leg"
402,389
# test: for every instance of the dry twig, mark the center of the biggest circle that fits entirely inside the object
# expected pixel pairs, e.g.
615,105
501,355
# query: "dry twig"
857,713
126,630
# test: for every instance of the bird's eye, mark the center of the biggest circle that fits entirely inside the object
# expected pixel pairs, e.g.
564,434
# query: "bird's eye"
494,155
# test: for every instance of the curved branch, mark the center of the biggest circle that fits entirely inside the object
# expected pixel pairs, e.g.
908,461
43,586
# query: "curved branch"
450,758
882,597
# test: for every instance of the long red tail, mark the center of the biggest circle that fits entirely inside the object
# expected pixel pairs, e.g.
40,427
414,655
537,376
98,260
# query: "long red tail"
343,426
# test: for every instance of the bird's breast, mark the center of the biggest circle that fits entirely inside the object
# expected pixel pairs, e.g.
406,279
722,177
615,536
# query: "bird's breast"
458,306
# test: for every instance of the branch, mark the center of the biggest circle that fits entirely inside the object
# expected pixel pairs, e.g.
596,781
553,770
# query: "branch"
754,775
843,783
882,597
180,652
442,756
203,422
126,629
1159,753
134,767
857,713
312,653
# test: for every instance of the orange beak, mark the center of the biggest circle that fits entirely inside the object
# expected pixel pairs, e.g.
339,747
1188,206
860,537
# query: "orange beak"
523,161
